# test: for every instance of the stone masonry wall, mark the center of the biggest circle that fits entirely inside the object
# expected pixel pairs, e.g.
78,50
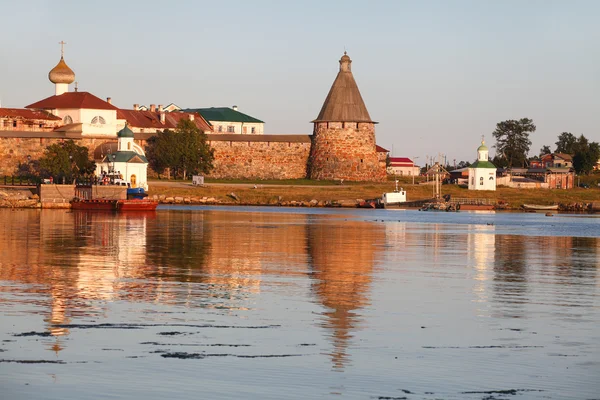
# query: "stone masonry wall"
233,159
345,151
14,150
260,160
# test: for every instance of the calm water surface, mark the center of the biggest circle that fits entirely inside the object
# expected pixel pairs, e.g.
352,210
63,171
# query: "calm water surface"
258,303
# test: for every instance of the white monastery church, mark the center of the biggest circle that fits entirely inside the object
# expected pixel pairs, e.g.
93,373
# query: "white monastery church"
482,173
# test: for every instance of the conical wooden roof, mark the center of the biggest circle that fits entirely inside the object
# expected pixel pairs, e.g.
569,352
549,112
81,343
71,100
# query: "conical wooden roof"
344,102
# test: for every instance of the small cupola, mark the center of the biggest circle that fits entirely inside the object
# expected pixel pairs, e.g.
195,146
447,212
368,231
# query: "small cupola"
125,136
482,151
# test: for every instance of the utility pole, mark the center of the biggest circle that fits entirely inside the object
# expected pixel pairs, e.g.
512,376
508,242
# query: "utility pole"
413,171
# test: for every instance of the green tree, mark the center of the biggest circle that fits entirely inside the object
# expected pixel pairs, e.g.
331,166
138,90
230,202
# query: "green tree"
566,143
161,151
545,150
512,140
586,155
66,160
184,150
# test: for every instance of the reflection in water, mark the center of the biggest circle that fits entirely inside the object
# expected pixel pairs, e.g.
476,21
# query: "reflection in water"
75,264
190,258
342,260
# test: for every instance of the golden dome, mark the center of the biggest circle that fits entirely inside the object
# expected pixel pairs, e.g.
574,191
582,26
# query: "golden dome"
61,73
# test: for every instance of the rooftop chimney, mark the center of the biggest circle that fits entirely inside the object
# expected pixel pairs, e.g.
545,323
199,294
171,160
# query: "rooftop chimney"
160,108
109,100
136,107
162,117
152,107
234,108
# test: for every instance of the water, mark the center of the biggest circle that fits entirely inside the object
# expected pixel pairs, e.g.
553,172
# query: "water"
269,303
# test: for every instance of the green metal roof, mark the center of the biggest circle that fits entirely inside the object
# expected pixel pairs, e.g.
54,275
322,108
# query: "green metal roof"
224,114
125,132
482,164
124,156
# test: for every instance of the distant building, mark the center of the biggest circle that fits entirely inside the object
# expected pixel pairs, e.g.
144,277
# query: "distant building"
127,163
403,166
82,112
382,155
157,119
482,173
19,119
558,160
230,120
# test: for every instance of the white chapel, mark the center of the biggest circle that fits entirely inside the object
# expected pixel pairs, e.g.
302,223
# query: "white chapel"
482,173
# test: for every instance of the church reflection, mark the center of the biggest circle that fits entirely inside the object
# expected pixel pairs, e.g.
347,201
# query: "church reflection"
80,262
77,263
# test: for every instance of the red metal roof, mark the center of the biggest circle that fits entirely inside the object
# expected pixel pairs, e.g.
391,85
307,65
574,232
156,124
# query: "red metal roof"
148,119
75,100
27,114
380,149
401,160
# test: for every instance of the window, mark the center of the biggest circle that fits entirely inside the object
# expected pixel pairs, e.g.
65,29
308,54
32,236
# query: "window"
98,120
231,129
481,181
491,178
220,128
14,123
253,130
67,120
245,129
128,145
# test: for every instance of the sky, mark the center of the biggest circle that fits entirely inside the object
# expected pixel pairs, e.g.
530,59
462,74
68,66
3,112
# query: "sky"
436,75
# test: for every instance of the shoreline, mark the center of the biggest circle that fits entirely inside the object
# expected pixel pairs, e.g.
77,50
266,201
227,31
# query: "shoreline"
576,200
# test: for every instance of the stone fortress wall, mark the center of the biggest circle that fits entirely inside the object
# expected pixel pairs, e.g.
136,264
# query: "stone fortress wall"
268,157
236,156
342,145
345,150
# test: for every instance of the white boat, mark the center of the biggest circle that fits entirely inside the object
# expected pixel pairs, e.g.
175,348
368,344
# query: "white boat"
394,198
540,207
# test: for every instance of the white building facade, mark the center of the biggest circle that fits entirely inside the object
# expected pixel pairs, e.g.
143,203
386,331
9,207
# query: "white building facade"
128,163
482,173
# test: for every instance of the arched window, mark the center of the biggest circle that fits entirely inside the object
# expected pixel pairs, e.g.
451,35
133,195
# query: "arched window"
481,180
128,145
98,120
491,178
67,120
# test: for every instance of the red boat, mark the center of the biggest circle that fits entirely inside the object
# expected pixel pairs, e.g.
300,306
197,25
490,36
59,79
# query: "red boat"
94,205
114,205
137,205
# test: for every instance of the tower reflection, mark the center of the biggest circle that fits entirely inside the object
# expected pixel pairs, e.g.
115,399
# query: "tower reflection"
343,256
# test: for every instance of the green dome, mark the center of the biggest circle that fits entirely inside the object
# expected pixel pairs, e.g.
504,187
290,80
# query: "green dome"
125,132
483,147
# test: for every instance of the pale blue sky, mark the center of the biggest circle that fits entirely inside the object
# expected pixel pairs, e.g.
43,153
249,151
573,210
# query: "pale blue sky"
436,74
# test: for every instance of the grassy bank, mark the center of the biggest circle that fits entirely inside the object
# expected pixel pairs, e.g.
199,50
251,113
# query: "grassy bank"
277,191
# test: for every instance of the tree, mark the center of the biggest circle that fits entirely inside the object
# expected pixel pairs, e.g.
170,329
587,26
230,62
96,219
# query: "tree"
184,151
512,140
66,160
545,150
586,155
161,151
566,143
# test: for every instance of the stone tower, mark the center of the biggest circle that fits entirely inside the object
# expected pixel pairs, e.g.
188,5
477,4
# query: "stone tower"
343,140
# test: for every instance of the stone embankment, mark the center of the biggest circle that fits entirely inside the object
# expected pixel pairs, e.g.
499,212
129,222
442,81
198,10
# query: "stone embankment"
235,200
18,198
582,207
